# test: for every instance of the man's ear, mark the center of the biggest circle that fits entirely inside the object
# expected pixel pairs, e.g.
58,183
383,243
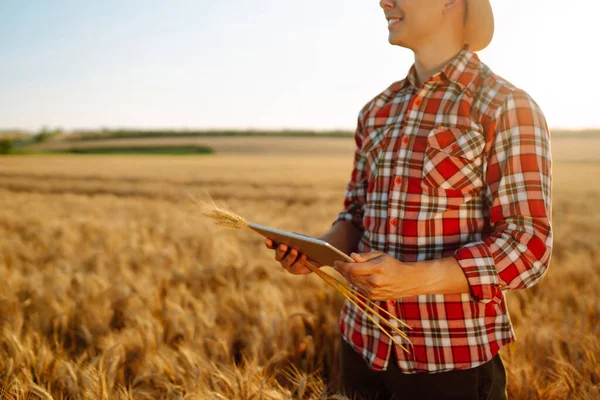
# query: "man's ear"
450,5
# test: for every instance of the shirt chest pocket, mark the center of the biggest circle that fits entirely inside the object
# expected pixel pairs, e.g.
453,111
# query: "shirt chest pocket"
452,159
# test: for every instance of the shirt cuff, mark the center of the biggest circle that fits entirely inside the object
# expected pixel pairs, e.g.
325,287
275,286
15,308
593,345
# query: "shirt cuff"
479,267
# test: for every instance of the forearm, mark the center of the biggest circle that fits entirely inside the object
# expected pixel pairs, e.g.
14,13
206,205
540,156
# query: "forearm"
439,276
343,235
379,276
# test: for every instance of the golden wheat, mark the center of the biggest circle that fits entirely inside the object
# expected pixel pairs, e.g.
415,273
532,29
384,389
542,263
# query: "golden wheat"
111,289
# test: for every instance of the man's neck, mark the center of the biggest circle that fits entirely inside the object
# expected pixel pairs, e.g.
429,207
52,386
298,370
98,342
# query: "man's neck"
430,59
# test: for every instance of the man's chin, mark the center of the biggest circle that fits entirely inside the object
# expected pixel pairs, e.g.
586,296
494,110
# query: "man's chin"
396,41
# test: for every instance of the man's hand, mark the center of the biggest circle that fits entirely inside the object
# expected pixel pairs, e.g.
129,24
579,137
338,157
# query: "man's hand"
380,276
343,235
377,275
291,259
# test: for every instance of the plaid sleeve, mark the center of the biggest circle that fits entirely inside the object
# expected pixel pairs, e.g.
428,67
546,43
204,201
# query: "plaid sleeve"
518,189
354,197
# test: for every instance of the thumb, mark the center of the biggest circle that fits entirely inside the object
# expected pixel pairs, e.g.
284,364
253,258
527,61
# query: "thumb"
363,257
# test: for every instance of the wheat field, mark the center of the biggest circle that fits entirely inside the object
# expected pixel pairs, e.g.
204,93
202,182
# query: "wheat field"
113,287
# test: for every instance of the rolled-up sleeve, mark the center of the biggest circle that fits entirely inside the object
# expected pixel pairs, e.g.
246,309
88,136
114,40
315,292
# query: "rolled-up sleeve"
518,179
354,197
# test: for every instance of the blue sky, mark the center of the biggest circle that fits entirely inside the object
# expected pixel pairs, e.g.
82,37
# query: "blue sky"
308,64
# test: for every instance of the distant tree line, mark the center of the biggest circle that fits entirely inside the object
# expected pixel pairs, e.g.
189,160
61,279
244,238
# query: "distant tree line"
6,146
13,141
134,133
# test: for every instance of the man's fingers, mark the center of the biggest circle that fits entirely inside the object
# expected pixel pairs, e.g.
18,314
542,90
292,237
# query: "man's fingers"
303,260
280,252
363,257
299,268
356,269
314,263
290,258
360,270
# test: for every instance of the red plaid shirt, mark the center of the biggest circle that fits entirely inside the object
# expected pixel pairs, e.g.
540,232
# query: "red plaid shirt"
461,167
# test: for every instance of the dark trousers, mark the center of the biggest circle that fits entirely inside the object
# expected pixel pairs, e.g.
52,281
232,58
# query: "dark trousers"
486,381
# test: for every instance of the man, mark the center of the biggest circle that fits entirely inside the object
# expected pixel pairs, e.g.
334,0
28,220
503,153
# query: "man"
448,206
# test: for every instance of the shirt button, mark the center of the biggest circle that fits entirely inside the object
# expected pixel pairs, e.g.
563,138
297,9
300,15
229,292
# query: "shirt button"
392,303
454,146
398,180
418,101
405,140
394,222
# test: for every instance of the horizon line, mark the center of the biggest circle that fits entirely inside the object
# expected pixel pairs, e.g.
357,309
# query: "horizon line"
220,129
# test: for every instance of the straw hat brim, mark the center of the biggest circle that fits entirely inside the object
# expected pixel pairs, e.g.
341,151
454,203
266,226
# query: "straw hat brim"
479,27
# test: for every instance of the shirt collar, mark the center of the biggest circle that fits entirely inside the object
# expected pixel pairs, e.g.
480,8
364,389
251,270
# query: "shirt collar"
461,69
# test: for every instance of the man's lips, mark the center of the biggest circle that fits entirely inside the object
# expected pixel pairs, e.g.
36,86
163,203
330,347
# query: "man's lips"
393,21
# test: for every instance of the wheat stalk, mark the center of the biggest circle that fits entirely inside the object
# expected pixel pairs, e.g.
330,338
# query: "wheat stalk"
223,216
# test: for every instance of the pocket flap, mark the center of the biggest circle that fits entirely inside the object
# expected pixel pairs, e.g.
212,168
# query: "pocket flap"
457,142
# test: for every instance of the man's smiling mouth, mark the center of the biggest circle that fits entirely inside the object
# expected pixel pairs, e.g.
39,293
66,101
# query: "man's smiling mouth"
393,21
